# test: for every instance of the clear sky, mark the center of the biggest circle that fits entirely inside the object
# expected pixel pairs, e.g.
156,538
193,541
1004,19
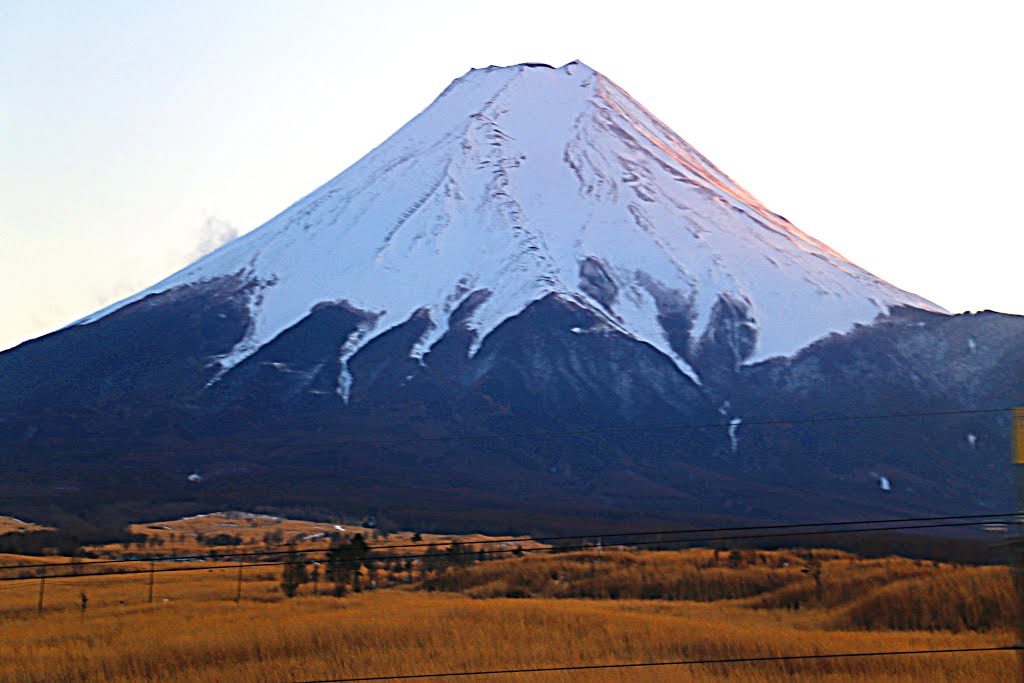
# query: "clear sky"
136,135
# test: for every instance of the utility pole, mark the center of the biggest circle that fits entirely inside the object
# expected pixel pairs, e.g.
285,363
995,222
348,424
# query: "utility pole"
42,589
238,587
1018,465
151,574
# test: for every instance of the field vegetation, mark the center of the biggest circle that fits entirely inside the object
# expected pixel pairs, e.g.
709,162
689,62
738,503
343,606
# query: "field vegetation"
251,532
11,525
456,612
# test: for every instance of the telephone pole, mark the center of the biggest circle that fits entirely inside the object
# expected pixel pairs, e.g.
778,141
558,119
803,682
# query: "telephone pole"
238,588
42,589
151,574
1018,465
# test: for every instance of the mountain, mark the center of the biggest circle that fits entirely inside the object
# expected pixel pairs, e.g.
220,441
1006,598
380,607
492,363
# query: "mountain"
533,254
528,181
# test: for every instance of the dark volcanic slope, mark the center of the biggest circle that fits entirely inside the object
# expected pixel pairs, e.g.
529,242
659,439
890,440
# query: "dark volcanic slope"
101,426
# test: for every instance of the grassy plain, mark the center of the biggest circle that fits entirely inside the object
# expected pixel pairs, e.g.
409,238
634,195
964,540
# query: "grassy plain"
574,608
184,535
11,525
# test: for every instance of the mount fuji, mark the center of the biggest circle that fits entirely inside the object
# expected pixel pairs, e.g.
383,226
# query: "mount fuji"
522,301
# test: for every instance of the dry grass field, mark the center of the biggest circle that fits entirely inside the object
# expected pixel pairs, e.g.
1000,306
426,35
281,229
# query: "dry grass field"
189,535
574,608
252,529
11,525
846,591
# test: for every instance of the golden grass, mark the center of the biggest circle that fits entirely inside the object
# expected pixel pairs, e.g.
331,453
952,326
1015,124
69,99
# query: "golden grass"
889,593
969,599
690,575
10,525
180,536
394,632
193,631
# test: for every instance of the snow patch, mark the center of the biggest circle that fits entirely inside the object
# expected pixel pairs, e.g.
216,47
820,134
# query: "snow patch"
734,425
349,349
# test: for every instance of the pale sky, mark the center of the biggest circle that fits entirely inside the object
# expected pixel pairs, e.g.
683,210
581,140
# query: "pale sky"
135,135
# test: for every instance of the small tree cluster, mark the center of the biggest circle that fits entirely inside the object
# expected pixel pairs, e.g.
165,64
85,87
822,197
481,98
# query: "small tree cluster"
344,560
294,573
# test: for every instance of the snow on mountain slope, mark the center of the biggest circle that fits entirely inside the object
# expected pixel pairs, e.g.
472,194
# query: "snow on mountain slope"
525,181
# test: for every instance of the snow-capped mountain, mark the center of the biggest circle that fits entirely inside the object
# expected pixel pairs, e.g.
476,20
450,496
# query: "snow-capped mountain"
532,302
525,181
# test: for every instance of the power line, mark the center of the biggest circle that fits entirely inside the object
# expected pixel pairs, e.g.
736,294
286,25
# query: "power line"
523,550
668,532
660,541
681,662
221,555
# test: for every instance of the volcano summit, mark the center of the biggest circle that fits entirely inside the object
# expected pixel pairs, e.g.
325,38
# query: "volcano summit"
534,251
527,181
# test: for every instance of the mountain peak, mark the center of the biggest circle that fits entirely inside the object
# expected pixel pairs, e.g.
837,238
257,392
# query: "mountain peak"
567,68
522,182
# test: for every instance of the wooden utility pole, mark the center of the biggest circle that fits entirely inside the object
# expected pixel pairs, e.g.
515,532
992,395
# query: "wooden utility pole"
238,587
1018,465
42,589
152,565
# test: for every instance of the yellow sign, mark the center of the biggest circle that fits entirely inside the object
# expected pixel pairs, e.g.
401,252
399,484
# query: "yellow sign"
1018,436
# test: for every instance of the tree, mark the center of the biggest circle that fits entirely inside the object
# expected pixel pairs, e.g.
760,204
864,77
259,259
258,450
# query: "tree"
431,560
316,578
344,561
294,573
459,554
736,559
339,560
360,553
454,554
